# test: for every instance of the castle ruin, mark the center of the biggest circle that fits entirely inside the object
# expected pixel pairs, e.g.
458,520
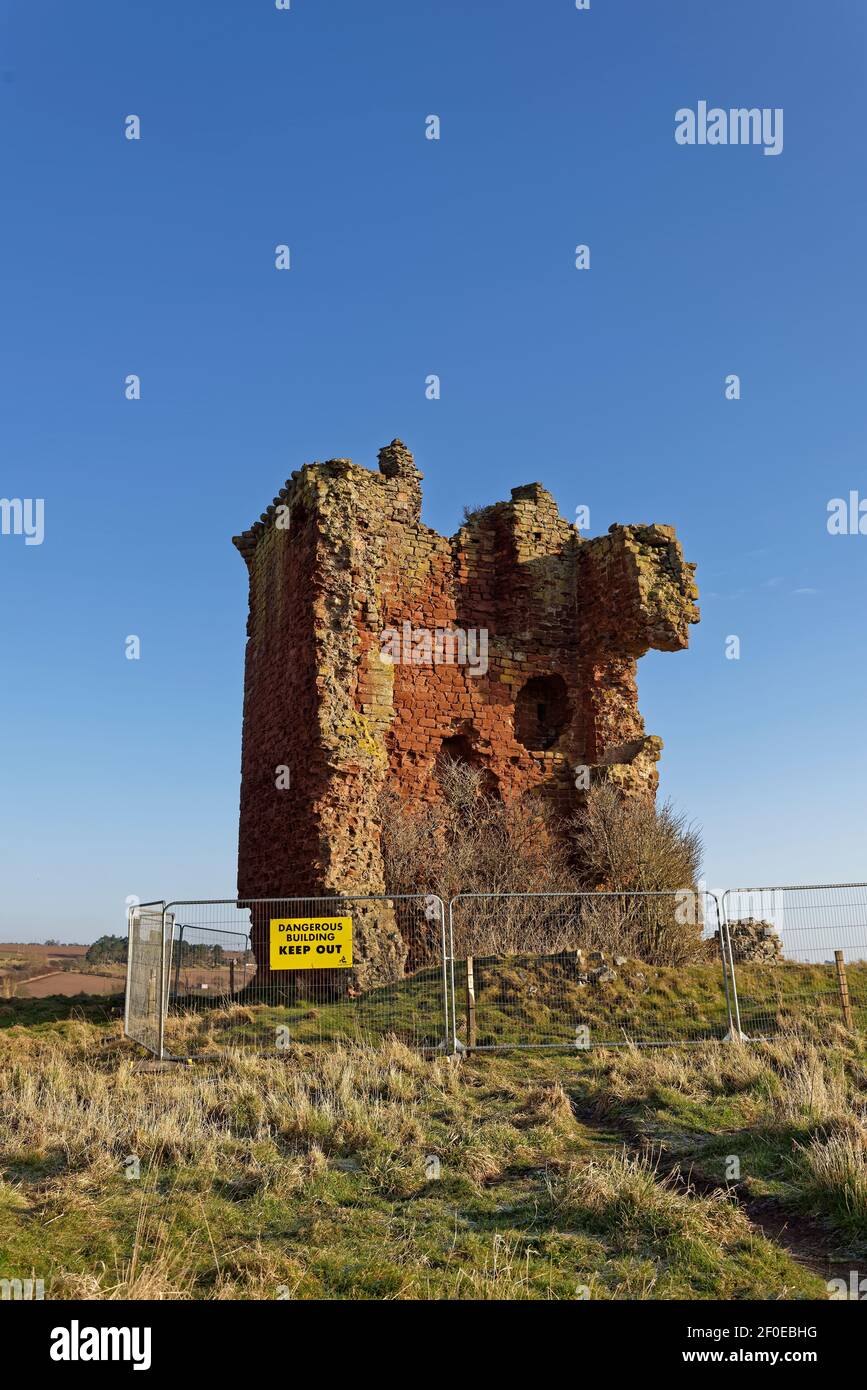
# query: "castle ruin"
374,645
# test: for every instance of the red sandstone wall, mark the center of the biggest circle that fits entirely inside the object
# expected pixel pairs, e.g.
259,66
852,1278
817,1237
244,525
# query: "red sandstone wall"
278,834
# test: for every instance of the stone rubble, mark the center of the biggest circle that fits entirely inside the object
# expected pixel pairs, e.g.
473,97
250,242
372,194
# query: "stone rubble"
754,942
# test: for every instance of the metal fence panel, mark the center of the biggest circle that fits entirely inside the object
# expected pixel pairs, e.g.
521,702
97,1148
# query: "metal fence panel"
583,970
147,974
224,993
820,976
550,970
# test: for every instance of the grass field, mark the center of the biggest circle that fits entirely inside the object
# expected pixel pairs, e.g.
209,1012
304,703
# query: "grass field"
312,1174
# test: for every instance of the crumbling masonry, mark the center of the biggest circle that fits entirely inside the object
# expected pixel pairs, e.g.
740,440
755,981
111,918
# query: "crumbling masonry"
342,558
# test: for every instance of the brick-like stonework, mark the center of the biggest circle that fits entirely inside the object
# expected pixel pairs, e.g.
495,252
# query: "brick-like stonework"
341,557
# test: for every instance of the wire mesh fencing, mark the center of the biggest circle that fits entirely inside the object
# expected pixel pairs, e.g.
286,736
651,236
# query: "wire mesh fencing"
498,970
799,957
147,973
267,974
585,970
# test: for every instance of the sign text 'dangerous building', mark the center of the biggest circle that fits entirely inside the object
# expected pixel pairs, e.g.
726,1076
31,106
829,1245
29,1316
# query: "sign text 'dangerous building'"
310,943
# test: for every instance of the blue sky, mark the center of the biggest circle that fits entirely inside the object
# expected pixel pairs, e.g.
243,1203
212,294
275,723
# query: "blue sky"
412,257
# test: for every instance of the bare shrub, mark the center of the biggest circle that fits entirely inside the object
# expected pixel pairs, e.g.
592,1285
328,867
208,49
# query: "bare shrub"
629,843
625,846
471,842
474,510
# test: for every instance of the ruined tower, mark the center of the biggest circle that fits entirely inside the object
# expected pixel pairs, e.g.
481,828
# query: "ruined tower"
343,689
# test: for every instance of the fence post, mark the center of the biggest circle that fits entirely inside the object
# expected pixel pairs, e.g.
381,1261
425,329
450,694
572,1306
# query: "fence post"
164,989
180,952
725,975
452,1045
843,985
129,954
735,1033
471,1004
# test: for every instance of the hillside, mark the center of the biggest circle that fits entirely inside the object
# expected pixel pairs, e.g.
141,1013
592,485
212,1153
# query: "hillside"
313,1174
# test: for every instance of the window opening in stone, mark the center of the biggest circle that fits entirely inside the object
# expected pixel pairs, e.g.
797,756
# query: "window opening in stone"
541,712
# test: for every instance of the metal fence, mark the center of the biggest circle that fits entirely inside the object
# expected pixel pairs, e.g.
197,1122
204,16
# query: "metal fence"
583,970
147,974
497,970
269,973
820,975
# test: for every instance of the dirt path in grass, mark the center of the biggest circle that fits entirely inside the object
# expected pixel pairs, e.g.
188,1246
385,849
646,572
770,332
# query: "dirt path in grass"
806,1239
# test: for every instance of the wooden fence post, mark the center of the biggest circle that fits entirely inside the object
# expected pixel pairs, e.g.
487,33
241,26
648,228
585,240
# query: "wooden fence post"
843,985
471,1004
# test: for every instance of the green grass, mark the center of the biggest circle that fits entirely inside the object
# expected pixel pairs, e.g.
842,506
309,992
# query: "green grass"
302,1173
411,1010
538,1000
54,1008
305,1176
791,1112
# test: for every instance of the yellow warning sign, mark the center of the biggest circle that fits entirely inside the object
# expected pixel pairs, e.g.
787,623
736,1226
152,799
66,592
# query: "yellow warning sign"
310,943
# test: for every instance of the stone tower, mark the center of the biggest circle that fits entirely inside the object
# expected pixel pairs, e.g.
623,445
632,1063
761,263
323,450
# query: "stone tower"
528,668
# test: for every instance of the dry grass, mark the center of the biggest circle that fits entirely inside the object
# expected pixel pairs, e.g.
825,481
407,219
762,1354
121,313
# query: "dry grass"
627,1192
834,1172
792,1112
792,1079
304,1176
52,1103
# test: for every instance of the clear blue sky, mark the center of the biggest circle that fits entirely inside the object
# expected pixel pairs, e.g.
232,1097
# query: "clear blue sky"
412,257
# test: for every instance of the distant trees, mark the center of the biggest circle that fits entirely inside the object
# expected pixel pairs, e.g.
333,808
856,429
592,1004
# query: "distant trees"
107,950
113,949
199,953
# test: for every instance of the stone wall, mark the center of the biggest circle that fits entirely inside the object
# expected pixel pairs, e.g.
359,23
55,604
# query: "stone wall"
340,558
